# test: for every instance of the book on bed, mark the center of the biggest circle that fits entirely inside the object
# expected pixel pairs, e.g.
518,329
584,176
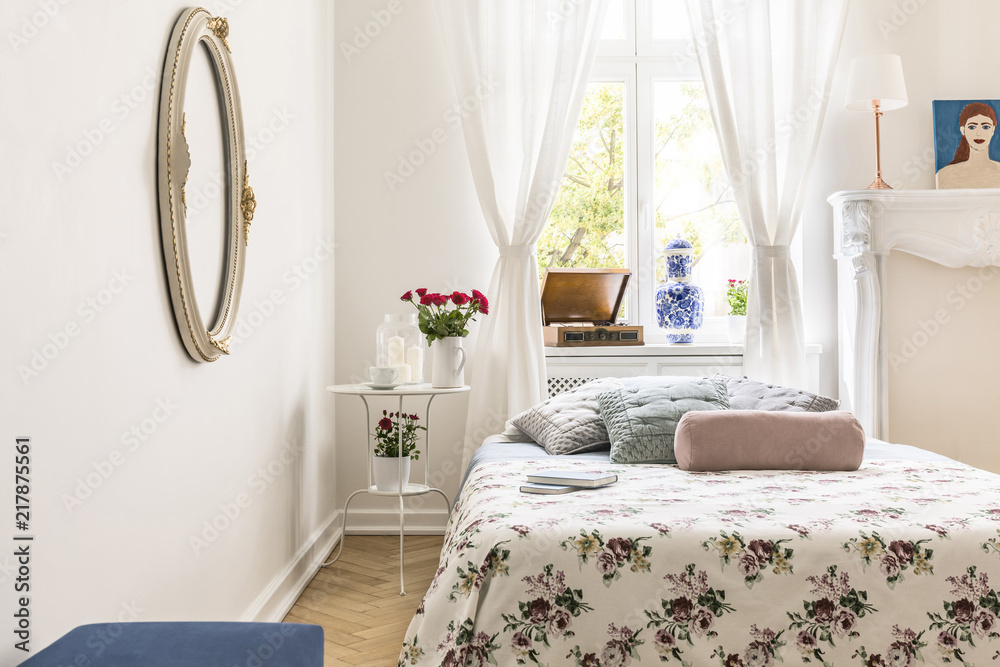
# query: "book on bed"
587,480
550,489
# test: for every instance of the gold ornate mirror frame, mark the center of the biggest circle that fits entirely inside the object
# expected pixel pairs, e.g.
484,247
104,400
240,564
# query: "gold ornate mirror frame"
195,26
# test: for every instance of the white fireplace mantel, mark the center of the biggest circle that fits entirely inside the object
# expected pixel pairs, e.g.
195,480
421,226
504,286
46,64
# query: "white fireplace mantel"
954,228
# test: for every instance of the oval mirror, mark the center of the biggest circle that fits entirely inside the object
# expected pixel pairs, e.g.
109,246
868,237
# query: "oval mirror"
205,191
206,202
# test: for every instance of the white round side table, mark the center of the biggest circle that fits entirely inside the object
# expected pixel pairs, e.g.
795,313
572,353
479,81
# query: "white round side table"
401,391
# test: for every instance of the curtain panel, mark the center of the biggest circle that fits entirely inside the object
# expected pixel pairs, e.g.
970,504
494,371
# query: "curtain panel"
768,66
520,71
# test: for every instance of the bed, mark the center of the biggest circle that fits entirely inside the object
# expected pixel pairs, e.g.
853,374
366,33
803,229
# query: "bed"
888,565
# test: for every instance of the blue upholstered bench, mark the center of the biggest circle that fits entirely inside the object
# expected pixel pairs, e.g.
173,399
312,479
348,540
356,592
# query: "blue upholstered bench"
185,645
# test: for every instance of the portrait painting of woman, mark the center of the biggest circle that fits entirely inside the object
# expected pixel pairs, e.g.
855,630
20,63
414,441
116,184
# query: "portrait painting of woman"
972,165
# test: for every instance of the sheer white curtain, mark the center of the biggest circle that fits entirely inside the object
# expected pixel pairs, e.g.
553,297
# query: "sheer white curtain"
521,70
767,67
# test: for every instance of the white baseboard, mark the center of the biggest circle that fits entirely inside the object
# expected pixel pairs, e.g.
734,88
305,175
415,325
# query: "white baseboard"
280,594
386,522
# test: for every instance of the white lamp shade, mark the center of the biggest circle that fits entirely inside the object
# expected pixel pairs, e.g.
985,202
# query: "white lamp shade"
876,78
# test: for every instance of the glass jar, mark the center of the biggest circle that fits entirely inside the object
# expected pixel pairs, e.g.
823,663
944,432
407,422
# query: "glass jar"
400,345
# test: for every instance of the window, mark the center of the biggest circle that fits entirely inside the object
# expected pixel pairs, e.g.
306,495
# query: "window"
645,166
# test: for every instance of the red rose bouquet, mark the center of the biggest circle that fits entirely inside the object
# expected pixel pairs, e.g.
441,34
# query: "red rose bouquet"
444,315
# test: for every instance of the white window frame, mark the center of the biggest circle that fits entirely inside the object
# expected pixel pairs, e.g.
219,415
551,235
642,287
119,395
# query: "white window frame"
638,62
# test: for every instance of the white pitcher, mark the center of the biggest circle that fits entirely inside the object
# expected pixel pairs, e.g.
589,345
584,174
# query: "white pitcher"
449,363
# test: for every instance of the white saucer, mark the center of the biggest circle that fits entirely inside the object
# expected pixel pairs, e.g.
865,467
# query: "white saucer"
372,385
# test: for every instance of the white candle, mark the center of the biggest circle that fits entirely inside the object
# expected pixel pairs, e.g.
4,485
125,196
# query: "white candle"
402,372
415,358
394,350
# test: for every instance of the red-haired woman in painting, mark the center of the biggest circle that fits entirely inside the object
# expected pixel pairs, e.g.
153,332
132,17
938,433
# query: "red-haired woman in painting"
972,166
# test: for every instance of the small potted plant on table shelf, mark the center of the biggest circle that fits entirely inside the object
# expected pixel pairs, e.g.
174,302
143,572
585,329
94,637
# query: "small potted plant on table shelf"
385,463
736,322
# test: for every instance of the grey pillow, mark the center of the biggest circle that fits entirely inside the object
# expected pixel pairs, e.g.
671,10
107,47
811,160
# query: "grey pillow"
747,394
641,420
569,423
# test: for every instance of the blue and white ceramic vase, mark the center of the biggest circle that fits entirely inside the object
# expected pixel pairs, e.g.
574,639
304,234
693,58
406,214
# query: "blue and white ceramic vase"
680,306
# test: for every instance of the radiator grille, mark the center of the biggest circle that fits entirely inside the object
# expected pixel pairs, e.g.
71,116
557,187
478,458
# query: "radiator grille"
562,385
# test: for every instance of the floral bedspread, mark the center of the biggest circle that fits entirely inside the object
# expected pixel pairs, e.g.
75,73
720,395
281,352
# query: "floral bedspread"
894,564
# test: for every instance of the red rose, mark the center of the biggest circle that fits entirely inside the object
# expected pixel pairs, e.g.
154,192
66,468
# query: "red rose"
702,621
964,609
407,297
823,610
902,550
681,608
762,550
538,610
620,548
421,291
414,417
439,299
460,299
843,623
385,423
484,306
426,299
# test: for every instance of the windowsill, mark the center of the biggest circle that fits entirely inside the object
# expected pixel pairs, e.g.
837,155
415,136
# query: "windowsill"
661,350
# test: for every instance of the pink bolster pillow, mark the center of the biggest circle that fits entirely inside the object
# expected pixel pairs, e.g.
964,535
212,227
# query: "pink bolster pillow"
765,440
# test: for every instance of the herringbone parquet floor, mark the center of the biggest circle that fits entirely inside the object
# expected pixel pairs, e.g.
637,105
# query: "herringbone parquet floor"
357,599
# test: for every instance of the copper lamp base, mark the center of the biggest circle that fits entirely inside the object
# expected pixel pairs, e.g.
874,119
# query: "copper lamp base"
879,184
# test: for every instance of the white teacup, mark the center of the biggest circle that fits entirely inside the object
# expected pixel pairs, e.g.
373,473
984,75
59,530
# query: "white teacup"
382,374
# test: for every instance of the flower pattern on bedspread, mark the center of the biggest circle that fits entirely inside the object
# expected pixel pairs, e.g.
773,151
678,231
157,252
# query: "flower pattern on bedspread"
893,564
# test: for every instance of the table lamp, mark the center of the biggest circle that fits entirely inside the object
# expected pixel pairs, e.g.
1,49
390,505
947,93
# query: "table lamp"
876,83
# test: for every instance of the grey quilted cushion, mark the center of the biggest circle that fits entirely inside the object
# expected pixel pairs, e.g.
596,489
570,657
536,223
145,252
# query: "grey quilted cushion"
641,420
746,394
569,423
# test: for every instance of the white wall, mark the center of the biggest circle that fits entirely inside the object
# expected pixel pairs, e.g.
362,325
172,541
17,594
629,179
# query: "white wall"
393,92
63,236
939,42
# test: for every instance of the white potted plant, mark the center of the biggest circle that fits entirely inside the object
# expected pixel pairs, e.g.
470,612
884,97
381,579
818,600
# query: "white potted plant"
736,322
385,463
